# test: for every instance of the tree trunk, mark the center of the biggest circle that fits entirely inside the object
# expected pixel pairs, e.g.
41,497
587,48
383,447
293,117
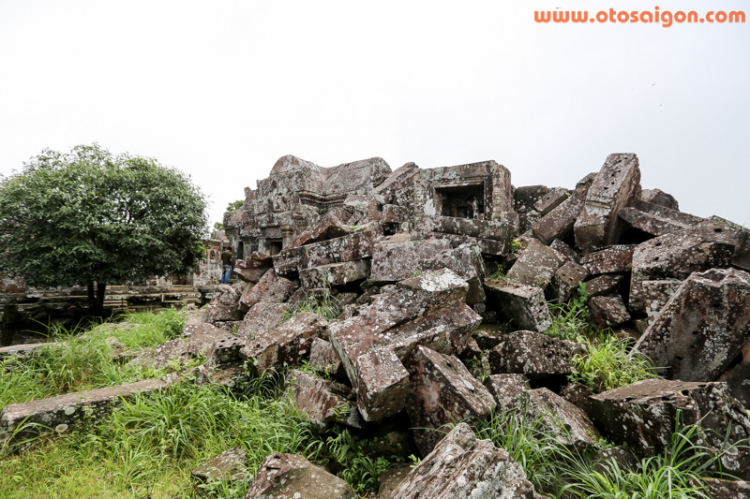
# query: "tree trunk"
92,298
98,308
100,289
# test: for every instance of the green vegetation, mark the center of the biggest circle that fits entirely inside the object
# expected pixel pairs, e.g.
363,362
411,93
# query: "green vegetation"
88,217
560,471
609,363
149,445
79,362
515,246
234,206
324,306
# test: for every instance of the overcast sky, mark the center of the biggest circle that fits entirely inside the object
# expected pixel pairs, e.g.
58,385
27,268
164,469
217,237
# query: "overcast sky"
222,89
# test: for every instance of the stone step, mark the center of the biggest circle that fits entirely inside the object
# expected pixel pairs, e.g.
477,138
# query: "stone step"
26,420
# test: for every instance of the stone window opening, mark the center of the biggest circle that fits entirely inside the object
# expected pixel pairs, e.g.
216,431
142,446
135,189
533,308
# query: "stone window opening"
274,246
464,201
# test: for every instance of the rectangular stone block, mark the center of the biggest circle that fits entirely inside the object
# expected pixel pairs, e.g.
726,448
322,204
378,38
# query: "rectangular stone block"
616,186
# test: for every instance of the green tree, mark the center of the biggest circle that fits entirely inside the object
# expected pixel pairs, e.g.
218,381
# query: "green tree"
234,206
88,217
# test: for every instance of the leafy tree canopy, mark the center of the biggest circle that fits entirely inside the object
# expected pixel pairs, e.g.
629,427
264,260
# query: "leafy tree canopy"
88,216
235,205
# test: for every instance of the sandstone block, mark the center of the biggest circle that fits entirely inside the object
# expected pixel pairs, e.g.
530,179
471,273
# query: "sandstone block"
702,327
463,466
525,306
616,186
442,390
286,476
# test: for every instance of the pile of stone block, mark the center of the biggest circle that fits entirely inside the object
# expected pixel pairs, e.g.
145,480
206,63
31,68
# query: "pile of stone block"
397,283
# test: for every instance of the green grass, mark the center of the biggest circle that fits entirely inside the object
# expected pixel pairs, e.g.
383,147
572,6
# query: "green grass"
326,307
609,363
80,362
149,446
559,471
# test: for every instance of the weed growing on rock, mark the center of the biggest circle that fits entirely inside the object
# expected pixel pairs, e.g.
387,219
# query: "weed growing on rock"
608,363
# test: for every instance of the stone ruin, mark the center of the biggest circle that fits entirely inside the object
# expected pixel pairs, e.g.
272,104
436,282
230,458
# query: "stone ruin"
383,280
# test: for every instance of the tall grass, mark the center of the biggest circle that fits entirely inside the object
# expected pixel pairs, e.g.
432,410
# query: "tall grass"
149,445
559,471
76,362
609,363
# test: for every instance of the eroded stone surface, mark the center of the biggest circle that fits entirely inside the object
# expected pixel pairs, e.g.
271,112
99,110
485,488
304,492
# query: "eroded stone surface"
615,259
525,306
291,476
442,390
463,466
604,284
657,220
616,186
288,343
229,465
398,257
536,265
535,355
225,304
323,358
677,255
271,288
262,317
335,274
702,327
643,415
607,311
657,196
558,223
322,401
551,200
566,281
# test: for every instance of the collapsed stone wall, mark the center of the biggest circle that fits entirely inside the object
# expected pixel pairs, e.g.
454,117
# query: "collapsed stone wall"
394,286
407,261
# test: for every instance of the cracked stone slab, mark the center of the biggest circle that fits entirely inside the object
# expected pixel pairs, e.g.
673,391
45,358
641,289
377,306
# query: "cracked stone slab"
63,412
291,476
335,274
398,257
677,255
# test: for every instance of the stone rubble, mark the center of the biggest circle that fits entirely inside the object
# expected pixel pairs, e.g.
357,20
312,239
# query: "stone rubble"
419,297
